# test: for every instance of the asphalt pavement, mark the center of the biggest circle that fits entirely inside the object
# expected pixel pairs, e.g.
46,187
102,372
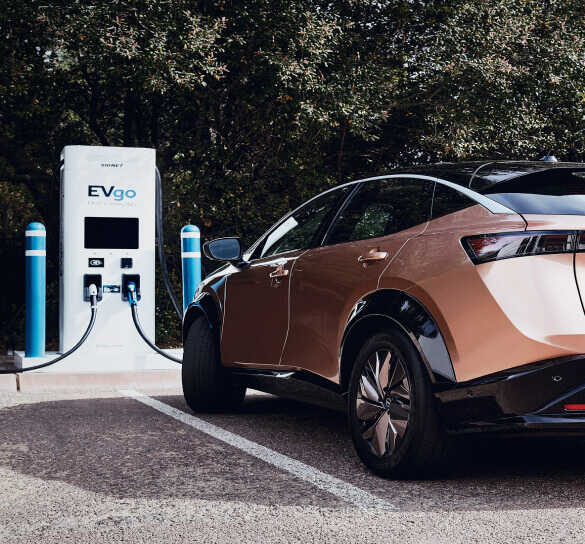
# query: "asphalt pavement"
139,466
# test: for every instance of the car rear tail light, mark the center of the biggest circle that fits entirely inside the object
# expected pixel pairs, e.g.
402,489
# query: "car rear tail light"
574,407
494,247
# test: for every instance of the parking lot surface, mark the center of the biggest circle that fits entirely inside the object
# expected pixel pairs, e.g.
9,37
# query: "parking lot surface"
139,466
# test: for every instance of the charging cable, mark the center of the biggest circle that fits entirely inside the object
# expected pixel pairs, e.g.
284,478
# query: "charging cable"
132,300
161,246
93,300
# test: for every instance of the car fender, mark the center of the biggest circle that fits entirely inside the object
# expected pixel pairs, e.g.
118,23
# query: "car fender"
392,307
203,304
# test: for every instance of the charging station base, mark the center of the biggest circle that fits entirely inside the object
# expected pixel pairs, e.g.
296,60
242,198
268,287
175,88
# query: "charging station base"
120,362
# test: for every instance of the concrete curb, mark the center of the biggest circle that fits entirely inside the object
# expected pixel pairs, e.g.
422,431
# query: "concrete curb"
8,383
97,380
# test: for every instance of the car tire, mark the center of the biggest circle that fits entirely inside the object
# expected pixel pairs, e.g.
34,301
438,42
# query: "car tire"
206,384
393,416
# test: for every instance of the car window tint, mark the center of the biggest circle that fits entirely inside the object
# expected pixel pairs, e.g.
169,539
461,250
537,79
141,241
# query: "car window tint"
383,207
448,200
299,230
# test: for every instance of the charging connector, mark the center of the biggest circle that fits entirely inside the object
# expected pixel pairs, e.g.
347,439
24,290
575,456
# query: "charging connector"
127,280
93,296
132,297
95,281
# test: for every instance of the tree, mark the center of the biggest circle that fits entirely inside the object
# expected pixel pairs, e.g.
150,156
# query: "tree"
508,80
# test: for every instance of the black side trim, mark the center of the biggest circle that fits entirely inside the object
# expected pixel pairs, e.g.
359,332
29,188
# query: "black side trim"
302,385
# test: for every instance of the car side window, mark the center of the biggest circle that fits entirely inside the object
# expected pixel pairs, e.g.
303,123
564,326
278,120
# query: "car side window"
447,200
300,229
383,207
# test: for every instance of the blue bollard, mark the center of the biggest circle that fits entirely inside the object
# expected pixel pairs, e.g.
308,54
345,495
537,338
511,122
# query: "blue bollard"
35,296
191,259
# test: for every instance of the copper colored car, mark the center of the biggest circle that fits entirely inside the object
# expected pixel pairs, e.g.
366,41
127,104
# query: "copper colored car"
427,302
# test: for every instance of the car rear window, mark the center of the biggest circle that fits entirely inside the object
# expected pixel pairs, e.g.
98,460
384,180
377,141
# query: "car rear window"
447,200
557,192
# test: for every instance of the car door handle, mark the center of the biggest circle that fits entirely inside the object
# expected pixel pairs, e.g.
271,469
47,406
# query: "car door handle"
373,255
279,273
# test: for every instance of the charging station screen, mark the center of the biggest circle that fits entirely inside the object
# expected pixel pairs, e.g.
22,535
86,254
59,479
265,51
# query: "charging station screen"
111,233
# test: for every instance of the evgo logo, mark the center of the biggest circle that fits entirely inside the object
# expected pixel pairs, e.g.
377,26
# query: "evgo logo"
117,194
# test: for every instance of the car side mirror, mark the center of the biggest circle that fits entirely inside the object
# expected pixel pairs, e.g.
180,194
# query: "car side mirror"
225,249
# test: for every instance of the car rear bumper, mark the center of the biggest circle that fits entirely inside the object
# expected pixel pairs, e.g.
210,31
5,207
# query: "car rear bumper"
532,397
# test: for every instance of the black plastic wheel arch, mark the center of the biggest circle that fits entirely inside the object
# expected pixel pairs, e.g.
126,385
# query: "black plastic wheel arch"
404,311
201,305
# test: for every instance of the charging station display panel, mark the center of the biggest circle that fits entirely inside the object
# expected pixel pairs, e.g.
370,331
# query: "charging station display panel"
111,233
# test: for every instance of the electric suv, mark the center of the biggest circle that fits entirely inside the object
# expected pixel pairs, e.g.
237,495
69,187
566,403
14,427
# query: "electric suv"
427,302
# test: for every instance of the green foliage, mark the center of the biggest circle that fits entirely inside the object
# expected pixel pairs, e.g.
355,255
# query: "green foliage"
18,208
509,79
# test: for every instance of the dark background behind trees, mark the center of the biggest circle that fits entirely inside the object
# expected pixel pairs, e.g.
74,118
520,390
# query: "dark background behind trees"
255,105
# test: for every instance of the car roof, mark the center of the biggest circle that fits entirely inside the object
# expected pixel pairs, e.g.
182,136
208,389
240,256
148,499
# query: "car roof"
481,175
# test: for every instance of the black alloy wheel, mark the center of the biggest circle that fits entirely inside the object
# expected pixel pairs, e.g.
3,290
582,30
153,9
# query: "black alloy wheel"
393,417
383,402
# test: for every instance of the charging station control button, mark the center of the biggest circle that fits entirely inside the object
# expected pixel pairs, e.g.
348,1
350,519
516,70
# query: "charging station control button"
127,262
111,288
95,262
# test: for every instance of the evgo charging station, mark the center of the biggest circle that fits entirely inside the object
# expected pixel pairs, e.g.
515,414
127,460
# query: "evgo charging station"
106,262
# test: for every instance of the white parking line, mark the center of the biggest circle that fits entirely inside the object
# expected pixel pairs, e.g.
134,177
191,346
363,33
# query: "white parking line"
335,486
